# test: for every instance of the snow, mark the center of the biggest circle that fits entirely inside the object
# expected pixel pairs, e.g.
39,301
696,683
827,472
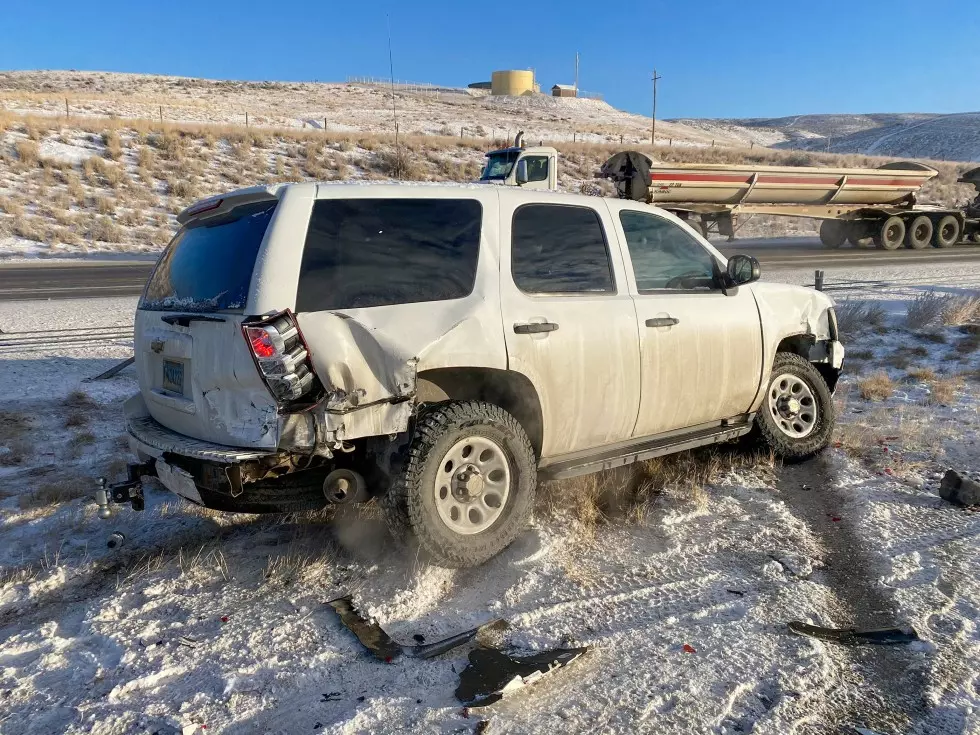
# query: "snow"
219,620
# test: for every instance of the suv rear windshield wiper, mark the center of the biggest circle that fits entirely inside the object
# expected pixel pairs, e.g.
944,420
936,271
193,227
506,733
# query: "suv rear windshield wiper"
184,320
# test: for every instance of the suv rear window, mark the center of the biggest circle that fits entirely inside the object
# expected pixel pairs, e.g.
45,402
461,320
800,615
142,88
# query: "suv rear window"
208,265
377,252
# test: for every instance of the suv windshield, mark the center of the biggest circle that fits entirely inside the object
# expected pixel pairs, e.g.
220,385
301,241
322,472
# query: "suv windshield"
208,265
499,165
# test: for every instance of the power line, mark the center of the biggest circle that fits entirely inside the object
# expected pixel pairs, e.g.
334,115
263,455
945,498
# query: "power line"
653,124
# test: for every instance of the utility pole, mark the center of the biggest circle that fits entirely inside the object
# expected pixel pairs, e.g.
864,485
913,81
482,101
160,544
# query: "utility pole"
653,124
576,73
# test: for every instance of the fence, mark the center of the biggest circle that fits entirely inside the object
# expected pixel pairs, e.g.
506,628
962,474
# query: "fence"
423,88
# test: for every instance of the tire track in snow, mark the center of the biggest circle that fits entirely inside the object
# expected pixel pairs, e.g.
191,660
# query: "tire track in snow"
881,687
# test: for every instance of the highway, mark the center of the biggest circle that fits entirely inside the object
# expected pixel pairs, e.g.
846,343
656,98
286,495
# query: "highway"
99,278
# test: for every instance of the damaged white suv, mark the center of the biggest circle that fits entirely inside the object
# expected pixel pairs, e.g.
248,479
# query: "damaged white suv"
441,348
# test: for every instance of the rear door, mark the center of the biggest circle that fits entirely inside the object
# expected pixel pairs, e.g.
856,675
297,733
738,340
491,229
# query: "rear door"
569,322
196,373
700,350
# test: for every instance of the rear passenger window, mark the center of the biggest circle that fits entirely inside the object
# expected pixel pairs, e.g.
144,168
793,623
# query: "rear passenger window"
556,248
377,252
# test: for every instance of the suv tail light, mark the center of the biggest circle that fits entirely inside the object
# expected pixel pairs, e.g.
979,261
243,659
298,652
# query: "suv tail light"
282,356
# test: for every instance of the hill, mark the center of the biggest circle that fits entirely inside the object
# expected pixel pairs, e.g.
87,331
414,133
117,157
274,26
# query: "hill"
952,137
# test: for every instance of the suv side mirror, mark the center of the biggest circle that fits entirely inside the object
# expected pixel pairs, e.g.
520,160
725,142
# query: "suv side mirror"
743,269
522,171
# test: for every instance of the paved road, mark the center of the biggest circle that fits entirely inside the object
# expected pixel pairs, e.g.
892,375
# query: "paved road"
87,279
46,280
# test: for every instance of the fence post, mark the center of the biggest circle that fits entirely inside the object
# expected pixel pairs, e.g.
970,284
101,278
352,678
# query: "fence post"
751,144
161,114
671,144
712,142
246,118
620,138
324,124
67,115
574,136
818,280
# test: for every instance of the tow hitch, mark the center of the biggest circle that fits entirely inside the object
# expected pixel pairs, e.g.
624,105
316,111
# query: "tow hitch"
129,491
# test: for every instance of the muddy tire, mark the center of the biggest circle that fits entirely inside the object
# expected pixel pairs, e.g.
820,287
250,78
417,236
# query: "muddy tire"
891,234
833,233
465,486
796,418
946,232
918,233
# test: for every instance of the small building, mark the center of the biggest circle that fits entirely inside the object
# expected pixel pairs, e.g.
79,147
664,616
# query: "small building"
564,90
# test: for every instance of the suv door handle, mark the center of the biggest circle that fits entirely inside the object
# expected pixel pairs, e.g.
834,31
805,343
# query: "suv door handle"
662,321
535,327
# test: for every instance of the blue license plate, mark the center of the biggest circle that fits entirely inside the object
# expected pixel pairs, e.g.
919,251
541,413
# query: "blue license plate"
173,376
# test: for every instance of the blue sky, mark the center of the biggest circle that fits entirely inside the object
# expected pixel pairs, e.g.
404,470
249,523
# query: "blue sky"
755,58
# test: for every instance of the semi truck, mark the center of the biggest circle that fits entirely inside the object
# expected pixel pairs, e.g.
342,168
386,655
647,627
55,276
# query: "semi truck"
858,206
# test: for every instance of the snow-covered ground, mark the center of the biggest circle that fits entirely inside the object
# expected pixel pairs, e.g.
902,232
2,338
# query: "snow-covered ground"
682,595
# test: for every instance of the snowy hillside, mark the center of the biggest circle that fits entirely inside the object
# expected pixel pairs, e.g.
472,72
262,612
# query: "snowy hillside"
954,137
338,107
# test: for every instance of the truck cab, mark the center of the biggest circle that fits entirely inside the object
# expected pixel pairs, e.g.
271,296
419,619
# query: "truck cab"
530,168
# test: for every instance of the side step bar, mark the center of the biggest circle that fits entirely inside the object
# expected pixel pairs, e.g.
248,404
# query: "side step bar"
624,454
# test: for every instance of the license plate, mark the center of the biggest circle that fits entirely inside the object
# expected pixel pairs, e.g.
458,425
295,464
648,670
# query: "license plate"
173,376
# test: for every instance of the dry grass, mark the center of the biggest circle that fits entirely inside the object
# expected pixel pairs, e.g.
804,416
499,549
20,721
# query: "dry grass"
853,315
961,310
11,206
113,145
27,152
398,164
626,493
942,391
876,387
924,310
920,375
57,491
104,205
103,229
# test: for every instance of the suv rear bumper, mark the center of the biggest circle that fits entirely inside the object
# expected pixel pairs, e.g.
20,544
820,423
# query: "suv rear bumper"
149,438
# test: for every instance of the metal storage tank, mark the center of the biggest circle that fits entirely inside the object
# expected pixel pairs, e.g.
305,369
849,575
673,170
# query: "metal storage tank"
513,82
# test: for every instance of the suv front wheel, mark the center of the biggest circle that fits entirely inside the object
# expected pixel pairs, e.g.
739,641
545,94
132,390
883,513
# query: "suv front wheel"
466,488
796,418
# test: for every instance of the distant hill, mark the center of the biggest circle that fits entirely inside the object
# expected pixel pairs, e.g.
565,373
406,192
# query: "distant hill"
952,137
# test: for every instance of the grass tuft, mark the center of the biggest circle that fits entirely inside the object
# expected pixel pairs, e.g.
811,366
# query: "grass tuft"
876,387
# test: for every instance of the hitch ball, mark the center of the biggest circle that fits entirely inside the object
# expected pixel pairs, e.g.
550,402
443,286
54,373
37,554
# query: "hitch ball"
345,487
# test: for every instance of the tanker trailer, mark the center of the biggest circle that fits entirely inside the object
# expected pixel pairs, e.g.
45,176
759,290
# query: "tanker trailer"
855,204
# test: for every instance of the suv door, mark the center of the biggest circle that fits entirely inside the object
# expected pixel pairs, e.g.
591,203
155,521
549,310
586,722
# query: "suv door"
700,350
569,322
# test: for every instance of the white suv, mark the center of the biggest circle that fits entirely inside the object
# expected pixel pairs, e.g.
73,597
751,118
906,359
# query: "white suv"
441,348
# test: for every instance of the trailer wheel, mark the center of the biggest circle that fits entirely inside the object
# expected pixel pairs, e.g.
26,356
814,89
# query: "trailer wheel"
918,233
832,233
946,232
891,234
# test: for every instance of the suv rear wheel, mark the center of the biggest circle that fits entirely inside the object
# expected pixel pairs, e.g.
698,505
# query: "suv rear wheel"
797,414
466,488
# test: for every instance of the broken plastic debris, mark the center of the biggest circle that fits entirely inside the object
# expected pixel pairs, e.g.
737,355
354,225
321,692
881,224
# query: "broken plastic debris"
959,490
689,648
855,637
491,675
370,634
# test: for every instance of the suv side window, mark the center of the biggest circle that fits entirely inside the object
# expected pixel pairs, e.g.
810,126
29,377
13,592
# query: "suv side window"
537,168
664,256
377,252
557,248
